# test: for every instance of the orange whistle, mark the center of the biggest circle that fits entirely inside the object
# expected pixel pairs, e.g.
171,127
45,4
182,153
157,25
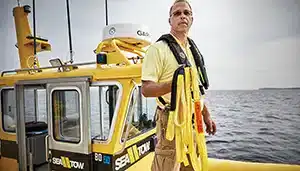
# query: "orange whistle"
198,117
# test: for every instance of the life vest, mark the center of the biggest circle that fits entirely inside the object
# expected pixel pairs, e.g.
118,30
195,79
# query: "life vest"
181,58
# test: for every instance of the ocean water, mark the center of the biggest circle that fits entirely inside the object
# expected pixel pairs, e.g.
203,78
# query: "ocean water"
255,125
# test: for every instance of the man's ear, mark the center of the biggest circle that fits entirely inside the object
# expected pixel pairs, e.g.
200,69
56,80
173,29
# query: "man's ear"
170,21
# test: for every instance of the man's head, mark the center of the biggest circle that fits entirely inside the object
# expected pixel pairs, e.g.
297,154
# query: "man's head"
181,16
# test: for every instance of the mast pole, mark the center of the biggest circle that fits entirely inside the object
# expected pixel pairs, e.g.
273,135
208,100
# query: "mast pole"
34,29
106,13
69,30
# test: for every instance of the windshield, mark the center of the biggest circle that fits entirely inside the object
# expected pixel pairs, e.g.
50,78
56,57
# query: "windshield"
103,104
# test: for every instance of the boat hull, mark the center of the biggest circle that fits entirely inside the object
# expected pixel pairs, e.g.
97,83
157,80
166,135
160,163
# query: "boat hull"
224,165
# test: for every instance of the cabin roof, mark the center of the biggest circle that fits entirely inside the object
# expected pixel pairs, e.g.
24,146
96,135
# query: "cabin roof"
96,74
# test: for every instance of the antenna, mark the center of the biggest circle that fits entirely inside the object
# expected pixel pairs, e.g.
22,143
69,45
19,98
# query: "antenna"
69,30
18,1
106,13
34,33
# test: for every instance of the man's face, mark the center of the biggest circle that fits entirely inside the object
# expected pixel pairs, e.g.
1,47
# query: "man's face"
181,17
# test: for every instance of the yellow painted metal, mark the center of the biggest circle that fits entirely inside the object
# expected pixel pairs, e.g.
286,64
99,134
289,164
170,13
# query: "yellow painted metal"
7,164
25,44
230,165
223,165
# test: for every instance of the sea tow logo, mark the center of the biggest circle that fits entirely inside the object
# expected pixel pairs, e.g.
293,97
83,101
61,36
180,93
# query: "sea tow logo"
67,163
142,33
133,154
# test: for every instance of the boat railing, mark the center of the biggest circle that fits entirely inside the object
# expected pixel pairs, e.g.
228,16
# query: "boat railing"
48,67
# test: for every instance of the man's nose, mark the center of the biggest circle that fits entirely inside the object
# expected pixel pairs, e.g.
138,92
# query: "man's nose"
182,16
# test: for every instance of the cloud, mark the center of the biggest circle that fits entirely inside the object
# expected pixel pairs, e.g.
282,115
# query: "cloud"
277,62
269,64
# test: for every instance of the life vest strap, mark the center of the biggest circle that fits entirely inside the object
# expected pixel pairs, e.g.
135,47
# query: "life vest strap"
182,59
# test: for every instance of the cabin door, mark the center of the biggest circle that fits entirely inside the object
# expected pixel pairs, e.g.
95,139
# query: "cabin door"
53,124
32,127
69,140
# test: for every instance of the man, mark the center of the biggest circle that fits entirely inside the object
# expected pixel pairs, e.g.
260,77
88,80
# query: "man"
157,73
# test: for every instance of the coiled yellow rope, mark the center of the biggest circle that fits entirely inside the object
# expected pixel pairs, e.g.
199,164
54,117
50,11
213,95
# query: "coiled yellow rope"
188,138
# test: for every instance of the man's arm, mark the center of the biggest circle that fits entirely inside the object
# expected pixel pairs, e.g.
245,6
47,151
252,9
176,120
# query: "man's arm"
211,127
205,110
153,89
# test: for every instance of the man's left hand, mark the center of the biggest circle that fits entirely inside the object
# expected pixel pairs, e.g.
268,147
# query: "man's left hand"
211,127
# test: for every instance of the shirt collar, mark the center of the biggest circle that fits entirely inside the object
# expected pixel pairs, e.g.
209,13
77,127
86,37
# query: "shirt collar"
181,44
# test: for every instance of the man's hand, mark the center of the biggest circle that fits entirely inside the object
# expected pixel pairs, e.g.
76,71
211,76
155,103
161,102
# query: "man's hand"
211,127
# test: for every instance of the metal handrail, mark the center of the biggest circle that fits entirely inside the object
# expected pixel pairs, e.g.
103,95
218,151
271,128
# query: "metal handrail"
49,67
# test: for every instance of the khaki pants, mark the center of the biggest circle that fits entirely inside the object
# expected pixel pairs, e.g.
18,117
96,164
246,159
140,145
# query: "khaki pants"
165,154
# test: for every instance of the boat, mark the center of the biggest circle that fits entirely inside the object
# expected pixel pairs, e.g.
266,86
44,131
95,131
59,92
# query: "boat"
84,116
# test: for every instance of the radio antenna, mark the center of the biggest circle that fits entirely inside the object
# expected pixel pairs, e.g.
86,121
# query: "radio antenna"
106,13
69,30
34,29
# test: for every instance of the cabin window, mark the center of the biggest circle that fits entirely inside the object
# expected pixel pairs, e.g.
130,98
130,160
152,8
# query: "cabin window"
66,115
7,110
35,105
143,114
103,103
34,108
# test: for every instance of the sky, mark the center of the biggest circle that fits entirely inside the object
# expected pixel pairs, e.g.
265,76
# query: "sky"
247,44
